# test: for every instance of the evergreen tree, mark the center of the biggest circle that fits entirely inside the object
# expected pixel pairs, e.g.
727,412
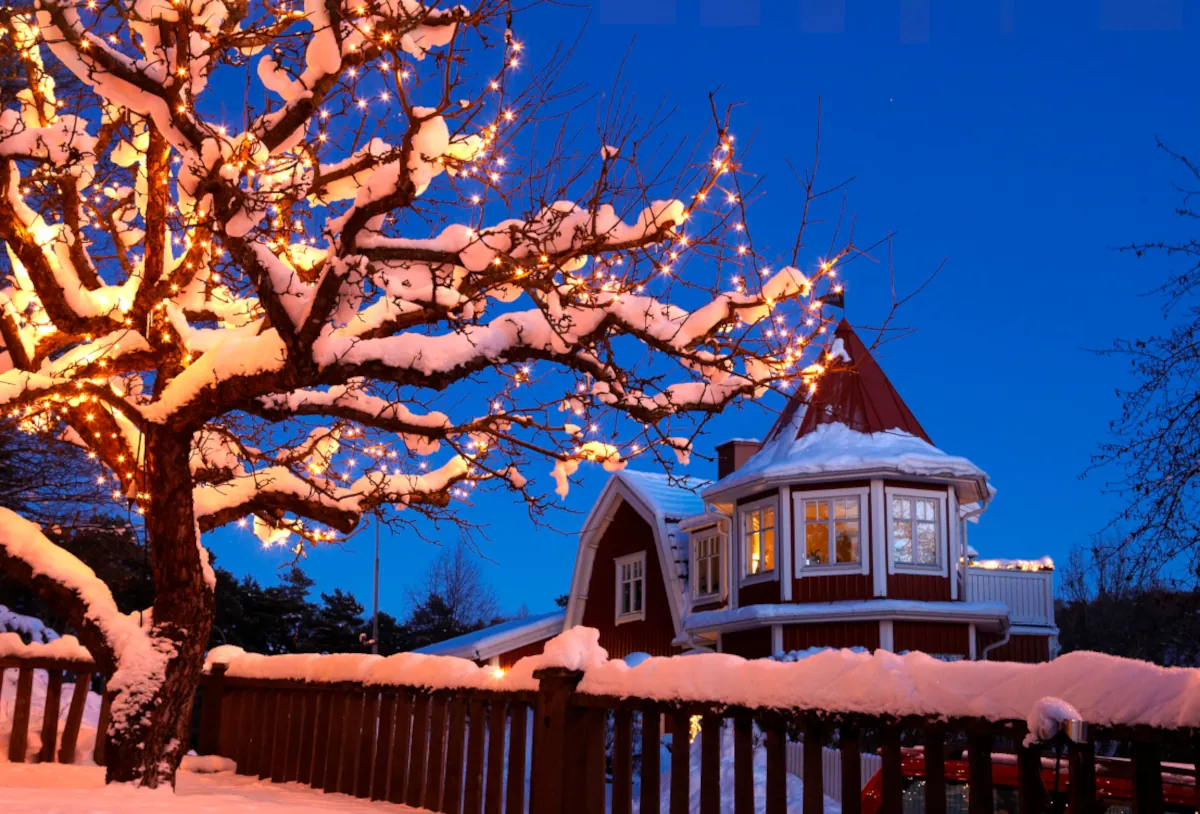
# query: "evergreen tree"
434,621
336,625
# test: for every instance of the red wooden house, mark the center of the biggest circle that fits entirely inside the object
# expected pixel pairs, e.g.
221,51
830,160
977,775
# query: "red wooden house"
845,527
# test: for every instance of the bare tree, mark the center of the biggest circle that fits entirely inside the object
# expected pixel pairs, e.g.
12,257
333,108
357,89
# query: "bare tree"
406,273
455,576
1155,445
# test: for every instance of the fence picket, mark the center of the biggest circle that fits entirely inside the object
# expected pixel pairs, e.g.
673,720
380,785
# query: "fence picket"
436,762
351,737
1147,778
622,786
681,762
281,734
99,750
892,772
710,765
979,773
476,733
455,747
743,765
366,744
651,763
814,774
54,682
851,770
401,736
298,727
497,723
337,726
515,795
266,733
935,771
418,751
777,766
20,720
323,721
383,744
70,737
1082,788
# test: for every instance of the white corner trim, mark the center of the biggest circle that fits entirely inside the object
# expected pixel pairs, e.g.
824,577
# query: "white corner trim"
879,539
776,639
952,526
887,635
785,533
972,643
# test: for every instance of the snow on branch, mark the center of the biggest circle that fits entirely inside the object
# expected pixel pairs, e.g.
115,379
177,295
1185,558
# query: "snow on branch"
373,286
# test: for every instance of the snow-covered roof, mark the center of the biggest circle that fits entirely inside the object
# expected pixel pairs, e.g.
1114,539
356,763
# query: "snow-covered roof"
671,498
854,423
984,614
837,449
481,645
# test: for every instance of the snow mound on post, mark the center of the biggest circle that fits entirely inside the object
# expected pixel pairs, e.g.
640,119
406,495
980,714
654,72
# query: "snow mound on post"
1047,716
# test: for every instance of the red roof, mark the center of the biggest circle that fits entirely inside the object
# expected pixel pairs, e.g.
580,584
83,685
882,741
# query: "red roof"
855,393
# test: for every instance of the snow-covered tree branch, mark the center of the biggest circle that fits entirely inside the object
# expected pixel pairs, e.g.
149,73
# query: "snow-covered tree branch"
375,290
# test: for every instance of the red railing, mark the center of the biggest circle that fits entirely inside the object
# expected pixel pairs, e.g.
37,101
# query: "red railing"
84,670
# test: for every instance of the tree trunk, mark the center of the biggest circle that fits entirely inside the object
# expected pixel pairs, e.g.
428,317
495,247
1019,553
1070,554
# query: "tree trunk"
147,745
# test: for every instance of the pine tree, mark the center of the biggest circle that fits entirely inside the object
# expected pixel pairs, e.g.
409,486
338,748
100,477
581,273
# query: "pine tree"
336,625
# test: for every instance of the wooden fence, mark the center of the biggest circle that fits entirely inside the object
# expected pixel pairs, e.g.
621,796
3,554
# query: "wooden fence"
18,742
476,751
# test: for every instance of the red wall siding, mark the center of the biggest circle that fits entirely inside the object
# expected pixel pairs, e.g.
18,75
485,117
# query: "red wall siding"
831,634
513,656
628,533
749,644
932,637
760,593
832,588
1028,649
918,586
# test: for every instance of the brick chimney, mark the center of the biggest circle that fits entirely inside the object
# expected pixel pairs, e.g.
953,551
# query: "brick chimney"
733,454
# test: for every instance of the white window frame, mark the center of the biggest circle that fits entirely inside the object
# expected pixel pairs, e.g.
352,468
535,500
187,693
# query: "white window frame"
939,497
620,562
743,551
695,537
863,566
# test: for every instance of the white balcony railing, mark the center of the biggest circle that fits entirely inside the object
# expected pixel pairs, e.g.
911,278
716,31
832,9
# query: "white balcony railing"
1028,594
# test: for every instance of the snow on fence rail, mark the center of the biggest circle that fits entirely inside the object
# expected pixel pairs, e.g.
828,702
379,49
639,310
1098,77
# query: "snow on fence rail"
451,736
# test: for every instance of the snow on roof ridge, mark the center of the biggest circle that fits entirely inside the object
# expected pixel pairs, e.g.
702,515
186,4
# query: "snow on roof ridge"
494,639
670,497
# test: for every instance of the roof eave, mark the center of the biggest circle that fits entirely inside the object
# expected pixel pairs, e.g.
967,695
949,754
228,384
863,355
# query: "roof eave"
972,488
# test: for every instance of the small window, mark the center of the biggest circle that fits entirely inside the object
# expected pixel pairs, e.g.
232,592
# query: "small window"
916,530
833,530
706,564
631,587
758,532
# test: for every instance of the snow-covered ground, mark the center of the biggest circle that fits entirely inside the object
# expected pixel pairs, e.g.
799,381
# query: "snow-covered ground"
54,789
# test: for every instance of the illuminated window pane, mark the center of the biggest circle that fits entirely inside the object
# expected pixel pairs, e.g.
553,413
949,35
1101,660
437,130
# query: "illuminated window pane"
816,541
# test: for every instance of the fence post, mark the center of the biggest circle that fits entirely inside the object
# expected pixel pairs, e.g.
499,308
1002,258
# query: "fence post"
210,710
548,784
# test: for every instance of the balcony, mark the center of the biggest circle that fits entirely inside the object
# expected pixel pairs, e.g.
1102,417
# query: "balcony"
1026,588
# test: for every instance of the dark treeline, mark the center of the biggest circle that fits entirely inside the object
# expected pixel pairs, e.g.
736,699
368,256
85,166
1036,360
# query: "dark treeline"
282,618
1107,603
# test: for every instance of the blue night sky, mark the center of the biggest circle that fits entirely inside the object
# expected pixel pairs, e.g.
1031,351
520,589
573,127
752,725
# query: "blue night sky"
1012,138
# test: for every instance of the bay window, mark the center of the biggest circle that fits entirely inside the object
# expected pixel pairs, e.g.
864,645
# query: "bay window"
833,529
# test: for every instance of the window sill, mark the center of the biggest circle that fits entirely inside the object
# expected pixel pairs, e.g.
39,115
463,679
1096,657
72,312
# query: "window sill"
923,570
769,576
640,616
835,569
705,599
